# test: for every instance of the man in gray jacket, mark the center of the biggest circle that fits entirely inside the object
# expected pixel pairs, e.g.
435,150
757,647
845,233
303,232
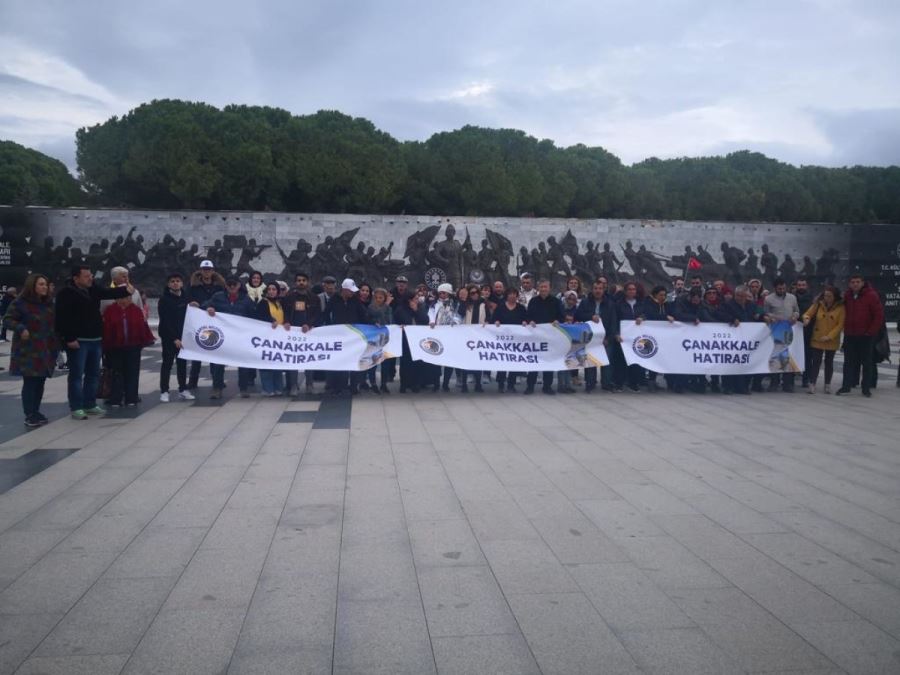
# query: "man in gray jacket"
781,306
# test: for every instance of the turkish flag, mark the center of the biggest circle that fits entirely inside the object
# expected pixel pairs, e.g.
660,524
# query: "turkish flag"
694,264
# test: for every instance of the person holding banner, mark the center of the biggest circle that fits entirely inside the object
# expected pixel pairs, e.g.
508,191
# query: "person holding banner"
543,308
781,306
598,307
687,311
656,308
444,312
380,314
301,308
205,283
738,310
473,310
414,375
271,310
630,307
230,301
509,313
342,308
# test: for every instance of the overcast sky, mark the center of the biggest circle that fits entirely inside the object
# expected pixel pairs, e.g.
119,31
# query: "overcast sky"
807,82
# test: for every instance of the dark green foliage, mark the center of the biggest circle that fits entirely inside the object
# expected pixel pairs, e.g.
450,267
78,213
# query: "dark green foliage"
176,154
30,177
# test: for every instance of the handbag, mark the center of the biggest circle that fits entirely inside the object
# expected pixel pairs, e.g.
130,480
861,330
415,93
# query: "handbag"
104,386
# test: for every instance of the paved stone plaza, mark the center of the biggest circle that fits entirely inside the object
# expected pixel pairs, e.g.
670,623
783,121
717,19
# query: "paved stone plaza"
458,534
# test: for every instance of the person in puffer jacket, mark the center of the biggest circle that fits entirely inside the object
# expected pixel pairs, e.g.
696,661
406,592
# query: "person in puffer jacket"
863,318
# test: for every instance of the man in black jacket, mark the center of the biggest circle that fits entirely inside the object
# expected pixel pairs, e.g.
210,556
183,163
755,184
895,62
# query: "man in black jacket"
344,307
172,308
301,308
599,308
543,308
80,325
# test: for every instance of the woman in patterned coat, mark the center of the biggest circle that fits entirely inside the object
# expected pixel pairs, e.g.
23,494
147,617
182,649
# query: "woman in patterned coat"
35,344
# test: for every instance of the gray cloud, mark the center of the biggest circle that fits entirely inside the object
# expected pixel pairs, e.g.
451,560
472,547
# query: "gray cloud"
806,82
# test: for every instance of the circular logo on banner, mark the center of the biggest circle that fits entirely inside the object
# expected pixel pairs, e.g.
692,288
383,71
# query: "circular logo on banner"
209,337
645,346
434,277
432,346
476,277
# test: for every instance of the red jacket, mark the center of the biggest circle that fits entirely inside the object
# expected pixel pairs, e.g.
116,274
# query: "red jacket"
864,314
125,327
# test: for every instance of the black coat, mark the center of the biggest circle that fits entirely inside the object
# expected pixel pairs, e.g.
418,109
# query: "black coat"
732,311
404,316
655,312
78,310
263,313
302,309
545,310
588,308
510,317
171,309
339,311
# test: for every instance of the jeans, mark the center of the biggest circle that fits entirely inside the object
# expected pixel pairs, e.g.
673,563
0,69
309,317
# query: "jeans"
216,371
125,365
859,352
169,356
32,394
84,374
271,381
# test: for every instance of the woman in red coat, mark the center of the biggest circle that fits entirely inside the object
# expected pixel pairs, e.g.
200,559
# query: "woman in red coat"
125,334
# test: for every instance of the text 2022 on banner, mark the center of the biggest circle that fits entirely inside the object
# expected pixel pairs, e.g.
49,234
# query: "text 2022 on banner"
512,348
248,343
714,348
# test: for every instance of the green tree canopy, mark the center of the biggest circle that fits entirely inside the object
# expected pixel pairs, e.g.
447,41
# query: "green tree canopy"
30,177
177,154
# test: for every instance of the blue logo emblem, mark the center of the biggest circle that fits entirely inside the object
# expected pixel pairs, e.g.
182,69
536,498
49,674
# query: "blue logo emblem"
209,338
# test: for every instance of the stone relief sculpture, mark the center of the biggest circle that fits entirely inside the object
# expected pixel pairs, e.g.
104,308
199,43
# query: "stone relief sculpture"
428,257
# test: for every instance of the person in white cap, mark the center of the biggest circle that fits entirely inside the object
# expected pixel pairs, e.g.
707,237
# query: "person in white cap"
344,308
205,283
444,312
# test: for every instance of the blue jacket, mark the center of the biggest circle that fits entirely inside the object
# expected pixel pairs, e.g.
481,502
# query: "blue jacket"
605,309
242,306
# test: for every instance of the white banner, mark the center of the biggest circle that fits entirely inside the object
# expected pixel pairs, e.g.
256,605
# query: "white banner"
512,348
714,348
248,343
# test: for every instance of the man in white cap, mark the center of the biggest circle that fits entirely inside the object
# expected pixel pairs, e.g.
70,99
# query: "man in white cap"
343,308
444,312
205,283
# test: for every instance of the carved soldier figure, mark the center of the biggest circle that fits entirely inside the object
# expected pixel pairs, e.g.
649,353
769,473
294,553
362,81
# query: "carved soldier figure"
448,255
249,252
769,264
751,267
610,264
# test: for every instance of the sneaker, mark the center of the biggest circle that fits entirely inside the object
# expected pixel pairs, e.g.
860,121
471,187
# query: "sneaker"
164,397
245,393
827,388
186,395
131,405
79,415
96,410
842,391
31,422
215,394
811,389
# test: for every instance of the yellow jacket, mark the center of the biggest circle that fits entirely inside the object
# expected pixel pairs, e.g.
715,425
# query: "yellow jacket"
829,325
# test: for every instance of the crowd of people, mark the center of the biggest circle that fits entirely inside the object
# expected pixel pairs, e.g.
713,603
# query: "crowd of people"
95,325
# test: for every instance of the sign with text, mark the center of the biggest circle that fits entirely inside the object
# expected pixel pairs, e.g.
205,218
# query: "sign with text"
714,348
509,348
249,343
